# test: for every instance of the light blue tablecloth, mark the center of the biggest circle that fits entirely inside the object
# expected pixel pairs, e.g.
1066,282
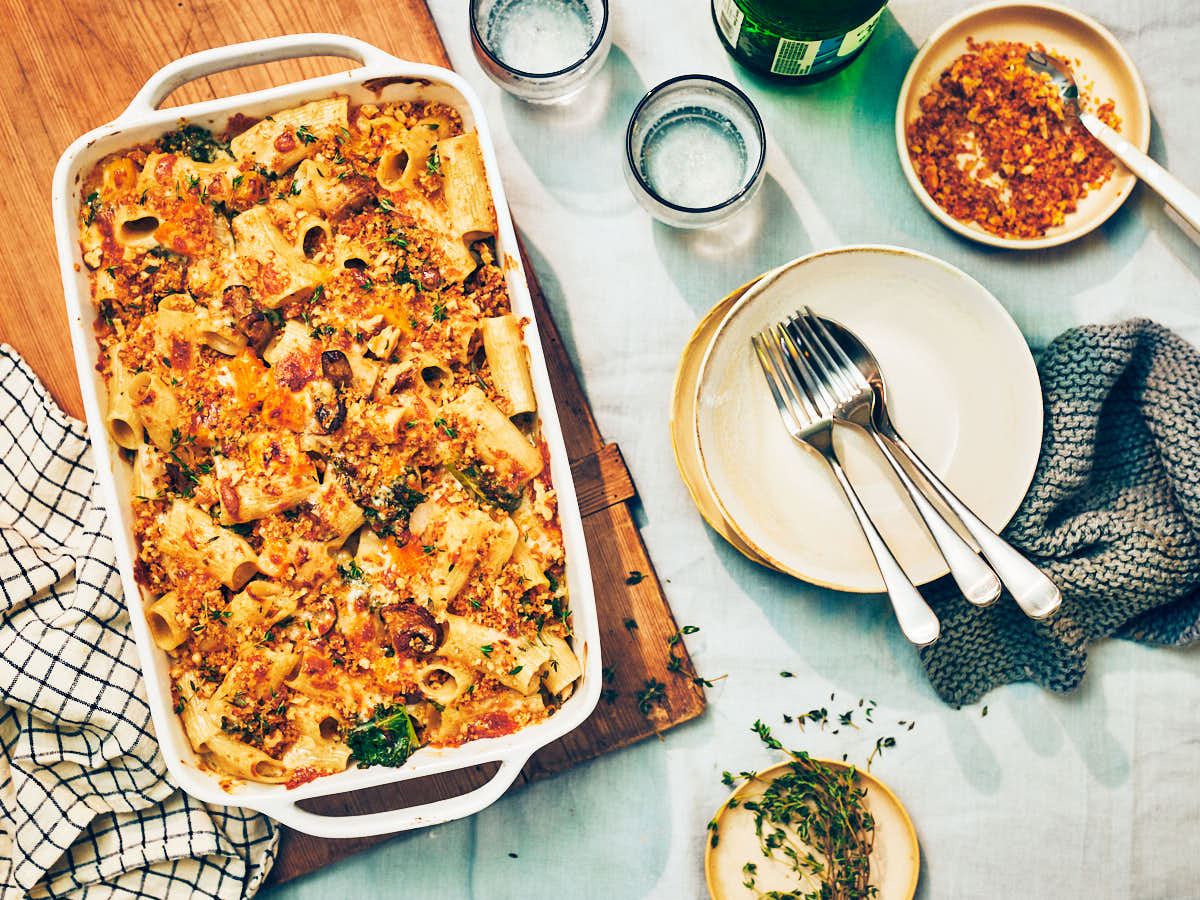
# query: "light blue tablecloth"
1088,795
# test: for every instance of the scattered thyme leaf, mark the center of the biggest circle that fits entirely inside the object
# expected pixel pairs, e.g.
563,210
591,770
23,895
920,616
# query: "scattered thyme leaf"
652,694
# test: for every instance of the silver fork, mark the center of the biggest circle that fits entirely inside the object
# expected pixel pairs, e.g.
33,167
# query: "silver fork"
854,402
808,418
1032,590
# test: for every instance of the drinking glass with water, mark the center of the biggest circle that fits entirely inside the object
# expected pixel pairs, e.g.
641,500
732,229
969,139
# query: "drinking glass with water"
694,151
543,51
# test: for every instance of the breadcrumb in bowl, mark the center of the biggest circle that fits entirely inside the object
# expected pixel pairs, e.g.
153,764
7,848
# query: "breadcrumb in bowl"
984,141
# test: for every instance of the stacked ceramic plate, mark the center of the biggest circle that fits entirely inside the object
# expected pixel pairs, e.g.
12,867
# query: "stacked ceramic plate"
962,388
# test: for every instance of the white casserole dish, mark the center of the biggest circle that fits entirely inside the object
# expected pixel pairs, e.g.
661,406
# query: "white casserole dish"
143,121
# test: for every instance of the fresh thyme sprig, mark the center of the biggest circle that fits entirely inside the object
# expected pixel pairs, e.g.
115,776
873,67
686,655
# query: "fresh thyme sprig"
812,818
653,694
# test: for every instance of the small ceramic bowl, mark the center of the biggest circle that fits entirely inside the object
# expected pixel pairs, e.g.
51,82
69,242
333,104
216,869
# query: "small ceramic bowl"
1104,70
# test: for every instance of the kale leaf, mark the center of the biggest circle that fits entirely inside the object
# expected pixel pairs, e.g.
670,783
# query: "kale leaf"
386,739
485,488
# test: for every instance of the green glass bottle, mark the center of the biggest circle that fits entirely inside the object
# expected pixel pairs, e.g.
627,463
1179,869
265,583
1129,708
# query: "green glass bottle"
796,40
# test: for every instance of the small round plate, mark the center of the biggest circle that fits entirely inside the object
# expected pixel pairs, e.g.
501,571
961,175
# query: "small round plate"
1104,70
683,418
962,389
895,854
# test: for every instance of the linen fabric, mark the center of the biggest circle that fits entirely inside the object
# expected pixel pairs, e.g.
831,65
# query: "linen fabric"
85,802
1112,516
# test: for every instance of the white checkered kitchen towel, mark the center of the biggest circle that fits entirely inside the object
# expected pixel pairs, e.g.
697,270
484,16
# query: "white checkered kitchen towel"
86,806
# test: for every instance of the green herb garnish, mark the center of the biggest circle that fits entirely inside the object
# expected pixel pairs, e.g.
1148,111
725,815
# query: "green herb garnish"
812,818
482,486
387,739
678,636
194,142
93,206
653,693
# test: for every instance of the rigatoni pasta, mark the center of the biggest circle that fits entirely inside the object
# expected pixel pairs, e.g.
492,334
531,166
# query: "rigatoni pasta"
347,535
507,357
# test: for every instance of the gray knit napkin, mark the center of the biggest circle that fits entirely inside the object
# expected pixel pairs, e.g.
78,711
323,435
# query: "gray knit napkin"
1112,515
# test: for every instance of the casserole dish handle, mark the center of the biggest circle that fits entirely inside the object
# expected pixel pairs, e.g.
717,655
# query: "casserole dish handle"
394,820
218,59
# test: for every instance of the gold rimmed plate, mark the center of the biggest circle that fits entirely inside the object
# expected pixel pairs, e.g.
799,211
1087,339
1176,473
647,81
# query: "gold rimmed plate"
895,854
963,389
1104,70
683,428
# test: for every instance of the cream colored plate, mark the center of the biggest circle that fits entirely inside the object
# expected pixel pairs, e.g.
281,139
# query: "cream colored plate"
895,854
963,390
683,418
1104,70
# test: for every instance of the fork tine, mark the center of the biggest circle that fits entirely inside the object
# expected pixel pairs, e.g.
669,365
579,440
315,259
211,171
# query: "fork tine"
774,383
846,363
805,406
803,370
822,362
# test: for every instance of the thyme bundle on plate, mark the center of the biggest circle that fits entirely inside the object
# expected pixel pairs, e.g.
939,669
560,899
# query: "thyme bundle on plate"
812,818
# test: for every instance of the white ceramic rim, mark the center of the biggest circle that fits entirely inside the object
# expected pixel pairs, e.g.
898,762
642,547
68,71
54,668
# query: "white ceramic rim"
978,234
144,118
762,284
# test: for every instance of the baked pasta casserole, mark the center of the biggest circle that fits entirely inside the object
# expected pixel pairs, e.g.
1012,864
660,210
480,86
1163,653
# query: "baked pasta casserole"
346,530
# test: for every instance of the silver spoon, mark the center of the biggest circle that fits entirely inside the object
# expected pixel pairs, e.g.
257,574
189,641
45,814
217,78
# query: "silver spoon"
1175,192
1036,594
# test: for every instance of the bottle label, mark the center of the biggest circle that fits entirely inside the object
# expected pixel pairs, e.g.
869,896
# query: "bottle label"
729,19
795,57
859,35
783,56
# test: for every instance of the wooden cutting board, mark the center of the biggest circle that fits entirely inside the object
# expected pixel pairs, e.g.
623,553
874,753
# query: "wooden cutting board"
74,64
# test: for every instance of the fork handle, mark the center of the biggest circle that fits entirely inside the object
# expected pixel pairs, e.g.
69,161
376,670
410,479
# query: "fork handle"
916,619
977,582
1034,592
1182,198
